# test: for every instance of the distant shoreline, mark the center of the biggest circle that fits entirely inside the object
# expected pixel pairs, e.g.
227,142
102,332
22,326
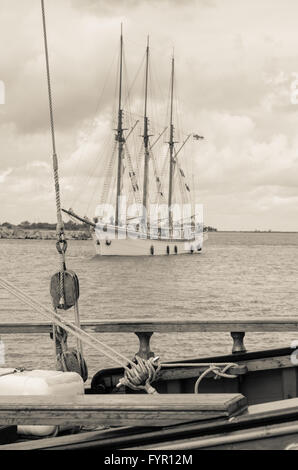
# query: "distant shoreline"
31,234
41,234
256,231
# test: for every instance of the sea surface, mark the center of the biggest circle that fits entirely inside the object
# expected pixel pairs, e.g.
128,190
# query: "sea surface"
238,275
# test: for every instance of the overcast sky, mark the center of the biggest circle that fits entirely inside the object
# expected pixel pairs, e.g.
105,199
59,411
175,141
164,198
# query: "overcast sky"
235,62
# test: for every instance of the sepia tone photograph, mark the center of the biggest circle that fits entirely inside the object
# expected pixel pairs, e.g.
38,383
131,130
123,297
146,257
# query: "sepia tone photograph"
148,227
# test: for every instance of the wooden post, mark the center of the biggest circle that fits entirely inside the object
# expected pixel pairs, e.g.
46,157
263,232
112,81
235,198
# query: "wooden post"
238,342
144,351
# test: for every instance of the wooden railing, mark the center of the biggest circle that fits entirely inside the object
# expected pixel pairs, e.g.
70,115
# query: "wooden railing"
144,329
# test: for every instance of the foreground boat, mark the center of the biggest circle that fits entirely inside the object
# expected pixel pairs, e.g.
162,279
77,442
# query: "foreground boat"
253,405
145,403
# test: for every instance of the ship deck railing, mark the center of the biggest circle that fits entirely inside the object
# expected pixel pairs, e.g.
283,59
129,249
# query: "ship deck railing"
144,328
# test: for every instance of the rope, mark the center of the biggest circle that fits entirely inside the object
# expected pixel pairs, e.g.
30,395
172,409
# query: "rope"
133,178
144,372
138,372
67,325
214,367
217,372
14,371
77,363
61,242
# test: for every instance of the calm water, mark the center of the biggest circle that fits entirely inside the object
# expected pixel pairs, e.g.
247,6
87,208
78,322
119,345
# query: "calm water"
239,275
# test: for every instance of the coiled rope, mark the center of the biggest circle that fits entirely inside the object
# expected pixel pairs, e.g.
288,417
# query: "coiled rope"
141,377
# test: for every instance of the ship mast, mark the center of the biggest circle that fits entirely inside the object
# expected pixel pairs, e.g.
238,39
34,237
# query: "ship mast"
119,135
146,142
171,147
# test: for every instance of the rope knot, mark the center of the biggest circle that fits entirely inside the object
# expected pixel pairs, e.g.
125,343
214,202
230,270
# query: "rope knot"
141,374
217,371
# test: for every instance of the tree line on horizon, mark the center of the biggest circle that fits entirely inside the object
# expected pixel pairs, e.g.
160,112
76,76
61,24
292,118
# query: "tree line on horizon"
45,226
70,225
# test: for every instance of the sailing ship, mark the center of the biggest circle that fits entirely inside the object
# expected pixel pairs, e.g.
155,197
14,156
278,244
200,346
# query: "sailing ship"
146,233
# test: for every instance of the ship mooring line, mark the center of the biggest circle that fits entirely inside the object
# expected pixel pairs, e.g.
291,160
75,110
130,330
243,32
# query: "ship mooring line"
67,325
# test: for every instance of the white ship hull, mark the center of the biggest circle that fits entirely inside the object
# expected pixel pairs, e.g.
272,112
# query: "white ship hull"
146,247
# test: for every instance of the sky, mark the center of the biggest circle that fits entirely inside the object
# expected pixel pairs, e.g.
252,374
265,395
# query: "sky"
235,64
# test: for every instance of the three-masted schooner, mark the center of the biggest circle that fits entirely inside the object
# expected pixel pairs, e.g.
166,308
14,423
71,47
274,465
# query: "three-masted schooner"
150,234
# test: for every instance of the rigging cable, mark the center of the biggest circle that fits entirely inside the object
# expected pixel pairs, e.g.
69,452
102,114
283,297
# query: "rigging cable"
70,359
92,124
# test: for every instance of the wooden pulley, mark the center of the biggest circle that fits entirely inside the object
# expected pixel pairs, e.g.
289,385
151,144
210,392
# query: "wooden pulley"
71,289
71,360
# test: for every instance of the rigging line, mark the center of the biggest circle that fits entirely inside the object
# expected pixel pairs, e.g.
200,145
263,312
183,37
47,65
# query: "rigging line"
89,183
156,174
109,174
33,304
131,130
157,139
115,106
127,101
153,121
136,76
91,198
93,122
181,186
67,325
94,164
60,234
155,83
185,194
139,159
132,176
54,156
88,174
112,188
168,100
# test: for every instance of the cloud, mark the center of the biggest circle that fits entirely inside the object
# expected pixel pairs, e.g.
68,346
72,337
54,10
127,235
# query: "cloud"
234,67
5,174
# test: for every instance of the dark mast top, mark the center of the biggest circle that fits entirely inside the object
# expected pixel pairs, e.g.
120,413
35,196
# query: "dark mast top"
119,136
171,147
146,141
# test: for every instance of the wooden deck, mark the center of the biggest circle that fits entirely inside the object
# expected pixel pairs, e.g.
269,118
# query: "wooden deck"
271,418
118,410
